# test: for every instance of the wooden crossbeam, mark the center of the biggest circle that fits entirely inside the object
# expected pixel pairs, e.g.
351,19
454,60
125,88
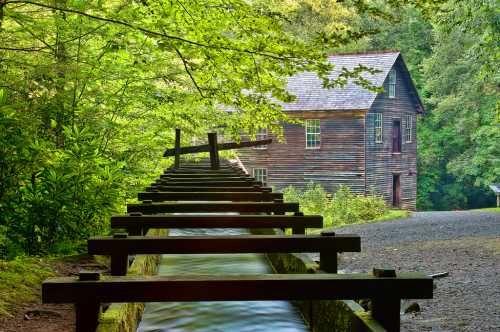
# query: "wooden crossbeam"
237,288
135,224
202,171
131,245
213,207
120,248
201,175
207,178
210,196
204,167
209,183
88,295
206,189
223,146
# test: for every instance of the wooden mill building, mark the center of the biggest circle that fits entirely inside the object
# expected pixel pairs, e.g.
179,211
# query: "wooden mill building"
350,135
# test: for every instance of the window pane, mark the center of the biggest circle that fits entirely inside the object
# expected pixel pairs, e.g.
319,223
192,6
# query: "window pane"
260,174
313,133
378,127
392,84
392,90
392,77
261,134
408,127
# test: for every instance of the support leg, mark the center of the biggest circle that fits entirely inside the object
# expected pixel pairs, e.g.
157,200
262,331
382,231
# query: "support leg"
87,316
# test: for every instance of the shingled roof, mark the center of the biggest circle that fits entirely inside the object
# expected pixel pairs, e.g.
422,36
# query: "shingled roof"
311,96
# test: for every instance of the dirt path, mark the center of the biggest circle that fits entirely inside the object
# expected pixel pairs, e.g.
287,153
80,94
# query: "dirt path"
466,244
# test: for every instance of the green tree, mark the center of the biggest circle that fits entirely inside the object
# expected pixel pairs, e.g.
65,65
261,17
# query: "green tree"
459,150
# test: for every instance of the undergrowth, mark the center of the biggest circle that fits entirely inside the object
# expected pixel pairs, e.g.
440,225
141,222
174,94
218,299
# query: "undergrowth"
343,208
20,281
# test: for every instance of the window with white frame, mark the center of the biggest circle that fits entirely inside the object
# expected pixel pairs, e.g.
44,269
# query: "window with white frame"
378,127
313,134
260,174
392,83
261,134
408,128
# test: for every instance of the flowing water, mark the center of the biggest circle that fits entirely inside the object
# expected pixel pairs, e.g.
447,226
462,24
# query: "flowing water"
248,316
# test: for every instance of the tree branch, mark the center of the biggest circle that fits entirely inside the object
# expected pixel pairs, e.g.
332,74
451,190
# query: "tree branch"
150,32
2,4
186,67
22,49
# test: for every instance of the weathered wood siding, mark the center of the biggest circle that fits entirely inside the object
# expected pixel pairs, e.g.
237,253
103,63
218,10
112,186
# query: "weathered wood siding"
348,149
381,162
340,159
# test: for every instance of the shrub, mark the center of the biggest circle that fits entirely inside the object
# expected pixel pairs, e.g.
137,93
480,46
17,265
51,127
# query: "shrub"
343,208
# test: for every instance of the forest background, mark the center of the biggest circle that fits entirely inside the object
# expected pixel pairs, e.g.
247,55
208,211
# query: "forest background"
90,92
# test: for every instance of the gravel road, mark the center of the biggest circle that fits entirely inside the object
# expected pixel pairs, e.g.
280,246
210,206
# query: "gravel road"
466,244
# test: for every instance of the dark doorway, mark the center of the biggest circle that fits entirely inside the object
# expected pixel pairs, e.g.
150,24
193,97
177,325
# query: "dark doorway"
396,190
396,136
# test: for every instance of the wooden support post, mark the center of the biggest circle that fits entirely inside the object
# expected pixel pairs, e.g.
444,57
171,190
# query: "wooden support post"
328,259
177,162
119,261
386,309
298,230
87,312
214,152
135,231
278,201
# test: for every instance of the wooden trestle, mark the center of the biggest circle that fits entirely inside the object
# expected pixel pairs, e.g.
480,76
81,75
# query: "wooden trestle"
224,187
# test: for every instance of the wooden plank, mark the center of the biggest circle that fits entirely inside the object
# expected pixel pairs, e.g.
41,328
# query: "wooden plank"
203,172
207,178
106,245
209,183
215,221
237,288
204,161
203,168
223,146
209,196
201,175
213,207
206,189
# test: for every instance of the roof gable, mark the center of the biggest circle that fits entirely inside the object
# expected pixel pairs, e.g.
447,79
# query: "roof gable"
311,96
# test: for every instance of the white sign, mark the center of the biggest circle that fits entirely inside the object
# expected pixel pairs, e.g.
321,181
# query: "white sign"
495,187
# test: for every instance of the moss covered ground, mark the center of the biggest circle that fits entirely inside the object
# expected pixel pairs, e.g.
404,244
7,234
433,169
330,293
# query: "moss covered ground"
20,281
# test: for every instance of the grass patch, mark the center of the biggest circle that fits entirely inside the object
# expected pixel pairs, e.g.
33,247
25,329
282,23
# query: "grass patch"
391,215
20,281
492,209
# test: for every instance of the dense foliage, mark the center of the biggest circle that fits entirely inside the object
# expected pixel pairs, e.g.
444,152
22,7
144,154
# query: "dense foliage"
341,208
90,92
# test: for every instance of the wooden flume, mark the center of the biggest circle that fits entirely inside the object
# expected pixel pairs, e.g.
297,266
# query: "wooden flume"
225,188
